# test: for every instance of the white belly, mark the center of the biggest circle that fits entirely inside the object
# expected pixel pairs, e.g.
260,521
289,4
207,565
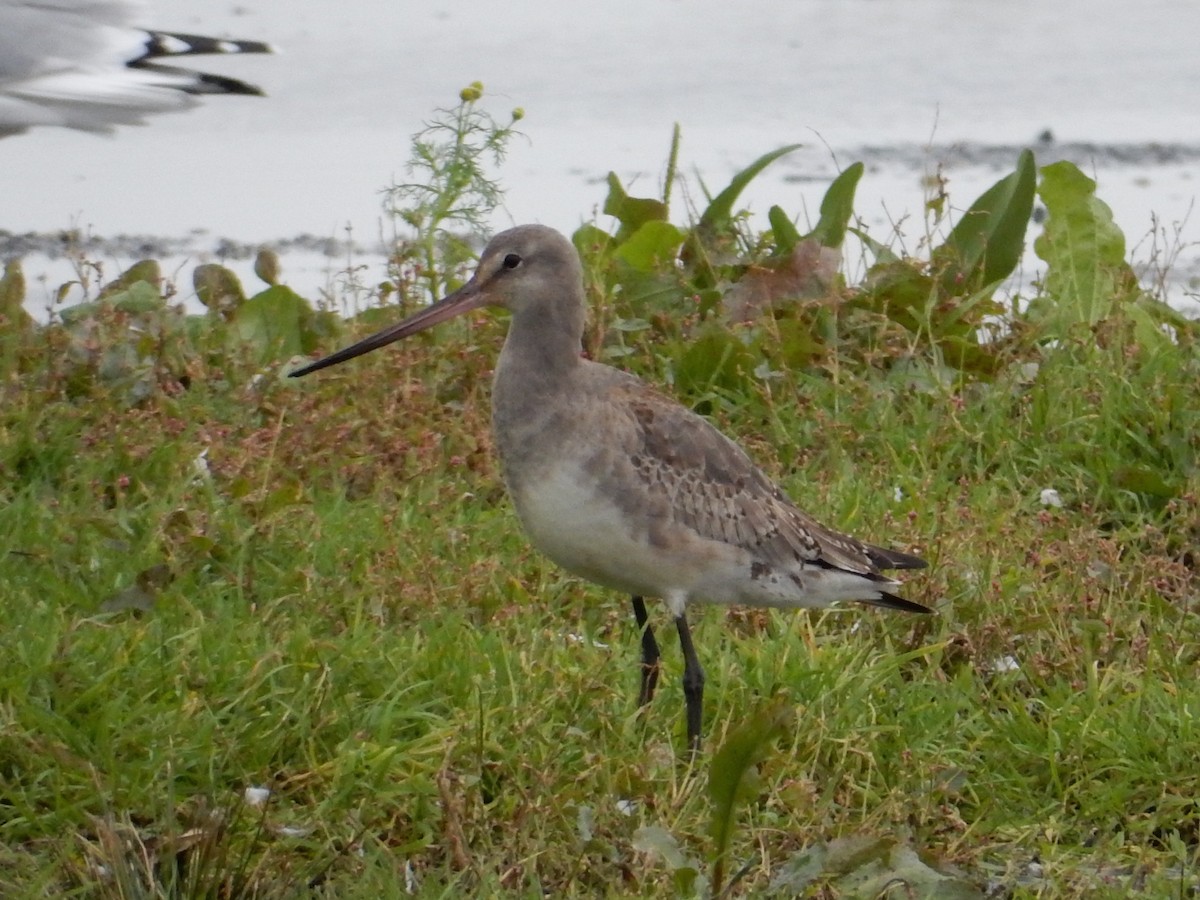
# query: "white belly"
589,536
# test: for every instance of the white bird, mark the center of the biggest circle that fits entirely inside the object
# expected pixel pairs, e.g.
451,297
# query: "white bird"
626,488
83,64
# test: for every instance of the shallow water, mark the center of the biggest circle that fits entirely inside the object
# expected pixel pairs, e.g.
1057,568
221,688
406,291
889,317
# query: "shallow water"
903,84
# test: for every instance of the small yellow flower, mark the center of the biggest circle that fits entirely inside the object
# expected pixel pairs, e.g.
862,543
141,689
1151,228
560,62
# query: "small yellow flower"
471,92
518,114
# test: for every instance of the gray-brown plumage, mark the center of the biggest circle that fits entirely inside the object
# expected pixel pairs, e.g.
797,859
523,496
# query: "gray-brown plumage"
628,489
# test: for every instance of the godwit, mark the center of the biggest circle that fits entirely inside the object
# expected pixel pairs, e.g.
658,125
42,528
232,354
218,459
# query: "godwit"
82,64
626,488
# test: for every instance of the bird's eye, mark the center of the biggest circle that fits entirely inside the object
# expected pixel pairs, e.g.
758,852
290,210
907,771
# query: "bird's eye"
512,261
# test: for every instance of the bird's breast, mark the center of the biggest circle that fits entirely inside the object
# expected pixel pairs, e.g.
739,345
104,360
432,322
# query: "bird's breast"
571,519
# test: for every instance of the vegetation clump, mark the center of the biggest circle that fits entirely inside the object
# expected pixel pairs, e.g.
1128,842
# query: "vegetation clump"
275,639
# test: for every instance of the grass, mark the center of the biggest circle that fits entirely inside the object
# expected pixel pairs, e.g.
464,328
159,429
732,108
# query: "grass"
267,638
354,621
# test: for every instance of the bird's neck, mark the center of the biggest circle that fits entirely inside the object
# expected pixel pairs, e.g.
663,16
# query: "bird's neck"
536,368
542,346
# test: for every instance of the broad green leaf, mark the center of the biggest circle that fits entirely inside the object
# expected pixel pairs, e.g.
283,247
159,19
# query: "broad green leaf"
733,776
786,235
1082,247
138,298
80,312
631,212
629,325
837,207
719,214
591,241
967,355
277,321
218,289
716,223
1148,321
1142,479
651,247
266,265
642,291
146,270
986,245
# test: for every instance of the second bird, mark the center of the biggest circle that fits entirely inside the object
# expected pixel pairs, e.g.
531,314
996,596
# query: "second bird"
625,487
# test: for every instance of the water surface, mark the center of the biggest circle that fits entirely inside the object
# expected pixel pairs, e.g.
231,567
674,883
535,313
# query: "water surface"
904,84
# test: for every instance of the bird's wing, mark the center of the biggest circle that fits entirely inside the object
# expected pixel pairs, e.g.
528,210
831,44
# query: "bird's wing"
705,482
82,64
39,38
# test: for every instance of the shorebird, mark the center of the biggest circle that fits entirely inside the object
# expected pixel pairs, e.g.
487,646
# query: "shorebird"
82,64
626,488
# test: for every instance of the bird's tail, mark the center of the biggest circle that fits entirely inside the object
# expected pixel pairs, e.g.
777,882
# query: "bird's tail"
164,44
173,43
883,558
892,601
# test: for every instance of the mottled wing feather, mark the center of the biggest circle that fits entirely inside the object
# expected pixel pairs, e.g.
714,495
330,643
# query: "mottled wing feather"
707,483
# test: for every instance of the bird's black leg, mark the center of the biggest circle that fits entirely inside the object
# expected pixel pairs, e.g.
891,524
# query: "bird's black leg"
693,684
650,654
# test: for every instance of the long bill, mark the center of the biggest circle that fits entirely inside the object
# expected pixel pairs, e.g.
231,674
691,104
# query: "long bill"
467,297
